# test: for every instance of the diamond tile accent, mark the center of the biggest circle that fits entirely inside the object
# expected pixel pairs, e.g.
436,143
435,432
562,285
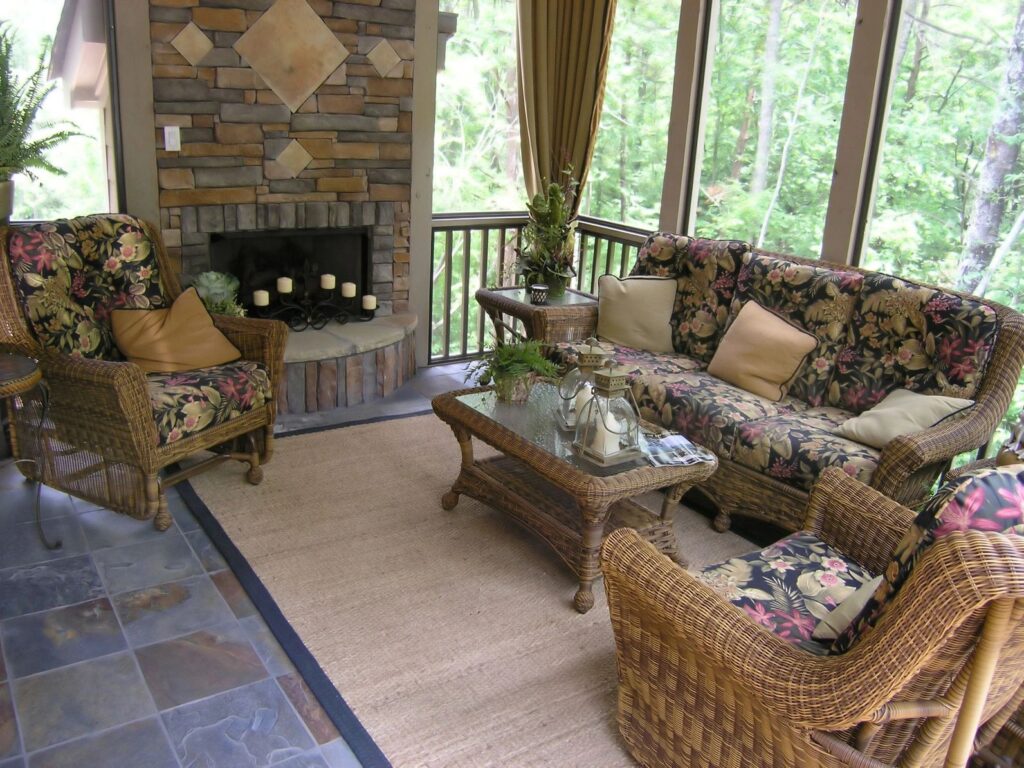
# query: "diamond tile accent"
294,158
383,57
192,43
292,49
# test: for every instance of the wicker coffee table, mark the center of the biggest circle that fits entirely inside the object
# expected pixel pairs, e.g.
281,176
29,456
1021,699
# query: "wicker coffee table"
542,483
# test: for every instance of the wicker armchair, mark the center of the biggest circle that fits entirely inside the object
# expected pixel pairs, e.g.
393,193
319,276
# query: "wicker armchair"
106,434
703,684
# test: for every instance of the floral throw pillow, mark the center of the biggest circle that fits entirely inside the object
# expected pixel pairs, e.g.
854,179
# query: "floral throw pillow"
71,273
986,500
706,273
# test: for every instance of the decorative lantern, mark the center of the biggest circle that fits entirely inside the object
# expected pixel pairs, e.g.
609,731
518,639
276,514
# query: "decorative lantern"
574,388
608,427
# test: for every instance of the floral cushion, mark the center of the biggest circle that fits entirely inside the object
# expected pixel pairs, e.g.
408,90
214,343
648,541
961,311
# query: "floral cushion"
706,409
70,273
706,278
986,500
788,587
817,299
186,402
905,335
635,362
796,448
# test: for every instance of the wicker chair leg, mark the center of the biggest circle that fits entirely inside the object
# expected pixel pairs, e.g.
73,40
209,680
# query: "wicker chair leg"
156,504
268,444
255,473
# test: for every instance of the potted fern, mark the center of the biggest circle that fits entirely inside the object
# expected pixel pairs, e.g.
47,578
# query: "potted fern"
513,369
22,149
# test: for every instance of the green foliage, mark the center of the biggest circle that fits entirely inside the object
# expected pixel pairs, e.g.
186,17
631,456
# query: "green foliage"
550,236
219,292
511,361
21,149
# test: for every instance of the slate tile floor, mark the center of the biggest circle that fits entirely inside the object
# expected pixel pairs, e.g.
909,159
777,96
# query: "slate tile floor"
130,647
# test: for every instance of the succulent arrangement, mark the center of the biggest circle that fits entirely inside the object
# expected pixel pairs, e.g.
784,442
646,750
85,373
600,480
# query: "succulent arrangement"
549,238
219,292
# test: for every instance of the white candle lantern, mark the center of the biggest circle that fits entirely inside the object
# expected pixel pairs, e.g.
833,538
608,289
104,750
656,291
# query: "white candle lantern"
348,290
284,285
608,427
574,388
327,281
261,298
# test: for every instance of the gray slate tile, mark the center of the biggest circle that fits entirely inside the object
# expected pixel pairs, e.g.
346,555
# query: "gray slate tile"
20,544
168,610
339,755
250,726
142,743
148,563
208,554
262,639
104,528
73,701
9,744
50,639
48,585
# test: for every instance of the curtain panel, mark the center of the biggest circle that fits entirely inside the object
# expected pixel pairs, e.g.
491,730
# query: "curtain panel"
563,58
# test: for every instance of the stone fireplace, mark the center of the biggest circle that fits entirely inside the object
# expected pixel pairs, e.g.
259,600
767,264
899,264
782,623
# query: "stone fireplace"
290,121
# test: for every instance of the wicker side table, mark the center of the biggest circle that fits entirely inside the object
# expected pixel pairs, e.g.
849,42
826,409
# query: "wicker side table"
572,317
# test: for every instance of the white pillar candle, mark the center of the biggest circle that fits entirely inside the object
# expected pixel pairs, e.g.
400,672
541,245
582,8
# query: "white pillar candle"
348,290
284,285
369,301
327,281
261,298
606,435
581,400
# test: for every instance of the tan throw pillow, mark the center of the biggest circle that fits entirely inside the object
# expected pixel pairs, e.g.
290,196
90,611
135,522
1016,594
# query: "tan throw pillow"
179,338
635,312
761,352
839,618
899,413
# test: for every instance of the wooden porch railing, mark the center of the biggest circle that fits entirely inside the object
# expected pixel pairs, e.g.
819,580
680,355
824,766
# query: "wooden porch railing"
477,250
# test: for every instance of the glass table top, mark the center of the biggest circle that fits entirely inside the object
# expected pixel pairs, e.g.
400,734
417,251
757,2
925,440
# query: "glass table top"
568,299
536,422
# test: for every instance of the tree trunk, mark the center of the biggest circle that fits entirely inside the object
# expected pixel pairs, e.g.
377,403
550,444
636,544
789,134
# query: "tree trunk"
903,34
743,138
759,179
1002,151
919,48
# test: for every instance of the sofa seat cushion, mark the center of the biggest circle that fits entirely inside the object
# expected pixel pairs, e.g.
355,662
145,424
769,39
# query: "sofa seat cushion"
635,362
187,402
705,409
818,299
905,335
705,272
789,586
795,448
70,274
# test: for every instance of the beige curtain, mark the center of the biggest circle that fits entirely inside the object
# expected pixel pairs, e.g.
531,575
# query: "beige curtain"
563,58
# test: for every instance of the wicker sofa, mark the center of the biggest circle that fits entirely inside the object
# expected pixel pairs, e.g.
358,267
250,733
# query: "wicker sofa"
876,333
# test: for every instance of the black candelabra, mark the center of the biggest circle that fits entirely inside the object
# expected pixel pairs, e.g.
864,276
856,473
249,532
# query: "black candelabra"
314,309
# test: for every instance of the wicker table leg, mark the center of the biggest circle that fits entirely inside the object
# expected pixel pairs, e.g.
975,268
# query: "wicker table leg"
673,496
592,532
450,498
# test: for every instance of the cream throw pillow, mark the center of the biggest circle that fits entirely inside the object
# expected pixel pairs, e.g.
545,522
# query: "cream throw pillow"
899,413
839,618
761,352
635,312
179,338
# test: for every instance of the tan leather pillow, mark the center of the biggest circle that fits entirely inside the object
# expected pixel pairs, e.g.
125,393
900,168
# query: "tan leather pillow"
899,413
761,352
179,338
635,312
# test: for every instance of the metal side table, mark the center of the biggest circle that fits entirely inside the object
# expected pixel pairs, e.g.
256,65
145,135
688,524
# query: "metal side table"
18,375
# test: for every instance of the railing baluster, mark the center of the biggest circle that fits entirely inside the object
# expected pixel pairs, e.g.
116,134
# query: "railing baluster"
446,328
466,244
481,316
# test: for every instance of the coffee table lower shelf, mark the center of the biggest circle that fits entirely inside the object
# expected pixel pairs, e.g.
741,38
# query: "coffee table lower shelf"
512,487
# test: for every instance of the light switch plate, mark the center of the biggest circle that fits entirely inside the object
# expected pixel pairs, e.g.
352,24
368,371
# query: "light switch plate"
172,138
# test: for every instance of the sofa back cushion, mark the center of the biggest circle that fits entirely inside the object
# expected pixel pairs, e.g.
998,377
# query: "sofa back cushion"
818,299
905,335
70,274
989,499
705,272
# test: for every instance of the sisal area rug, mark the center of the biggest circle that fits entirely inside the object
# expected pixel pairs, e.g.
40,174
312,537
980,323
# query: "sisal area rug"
450,635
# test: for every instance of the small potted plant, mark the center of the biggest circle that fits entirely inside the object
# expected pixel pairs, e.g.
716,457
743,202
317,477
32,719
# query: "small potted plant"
219,292
513,369
21,148
549,238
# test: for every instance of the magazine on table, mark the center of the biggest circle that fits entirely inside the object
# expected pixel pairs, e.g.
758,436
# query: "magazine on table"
670,449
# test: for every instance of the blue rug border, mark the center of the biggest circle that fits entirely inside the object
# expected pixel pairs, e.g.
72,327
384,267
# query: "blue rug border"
351,729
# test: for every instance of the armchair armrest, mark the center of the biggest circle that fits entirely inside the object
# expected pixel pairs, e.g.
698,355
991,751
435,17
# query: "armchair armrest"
858,521
102,405
260,340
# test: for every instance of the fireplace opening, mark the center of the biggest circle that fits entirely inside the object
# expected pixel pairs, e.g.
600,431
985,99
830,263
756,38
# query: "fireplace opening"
258,258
